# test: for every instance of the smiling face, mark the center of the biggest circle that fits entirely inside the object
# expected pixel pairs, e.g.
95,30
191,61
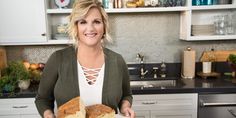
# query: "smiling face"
91,29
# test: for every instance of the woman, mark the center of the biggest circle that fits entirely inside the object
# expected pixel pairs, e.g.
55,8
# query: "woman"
87,69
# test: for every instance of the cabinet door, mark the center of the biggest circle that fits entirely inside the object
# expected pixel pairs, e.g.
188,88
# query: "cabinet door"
31,116
142,114
10,116
172,114
22,21
18,107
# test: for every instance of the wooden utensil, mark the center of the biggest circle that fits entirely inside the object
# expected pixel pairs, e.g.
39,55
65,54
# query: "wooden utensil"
3,58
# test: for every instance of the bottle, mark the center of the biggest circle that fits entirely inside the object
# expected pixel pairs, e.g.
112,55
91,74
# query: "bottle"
163,69
212,57
155,72
105,4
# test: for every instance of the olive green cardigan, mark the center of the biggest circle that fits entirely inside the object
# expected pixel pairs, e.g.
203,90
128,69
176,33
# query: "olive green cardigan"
60,80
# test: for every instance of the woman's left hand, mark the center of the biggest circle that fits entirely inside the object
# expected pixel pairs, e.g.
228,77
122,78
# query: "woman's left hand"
128,112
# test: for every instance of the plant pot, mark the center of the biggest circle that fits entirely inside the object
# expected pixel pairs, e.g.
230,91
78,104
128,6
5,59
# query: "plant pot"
206,67
24,84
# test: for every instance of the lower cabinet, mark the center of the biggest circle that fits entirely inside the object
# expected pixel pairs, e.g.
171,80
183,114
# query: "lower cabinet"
165,106
18,108
142,114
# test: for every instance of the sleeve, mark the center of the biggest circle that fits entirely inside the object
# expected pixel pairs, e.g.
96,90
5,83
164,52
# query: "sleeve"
45,99
127,93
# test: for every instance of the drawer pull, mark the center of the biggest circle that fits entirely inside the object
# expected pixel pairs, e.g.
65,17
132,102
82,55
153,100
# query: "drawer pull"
149,102
19,107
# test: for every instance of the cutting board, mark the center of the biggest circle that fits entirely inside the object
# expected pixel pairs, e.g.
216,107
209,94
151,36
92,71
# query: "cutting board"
3,58
220,55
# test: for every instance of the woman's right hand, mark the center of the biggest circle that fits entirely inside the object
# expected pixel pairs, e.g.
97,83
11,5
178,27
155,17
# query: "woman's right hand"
48,114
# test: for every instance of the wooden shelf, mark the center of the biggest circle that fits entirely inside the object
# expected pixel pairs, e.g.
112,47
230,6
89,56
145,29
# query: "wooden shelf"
125,10
214,7
213,37
58,11
149,9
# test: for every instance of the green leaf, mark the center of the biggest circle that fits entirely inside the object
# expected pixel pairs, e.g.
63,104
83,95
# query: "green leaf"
232,58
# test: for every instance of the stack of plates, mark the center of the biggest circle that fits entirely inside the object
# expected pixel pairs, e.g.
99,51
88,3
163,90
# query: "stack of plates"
203,29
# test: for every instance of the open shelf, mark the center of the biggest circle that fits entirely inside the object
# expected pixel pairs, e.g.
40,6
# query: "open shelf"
126,10
212,37
212,7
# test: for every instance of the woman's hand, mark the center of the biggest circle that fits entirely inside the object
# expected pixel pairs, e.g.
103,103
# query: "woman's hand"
126,109
48,114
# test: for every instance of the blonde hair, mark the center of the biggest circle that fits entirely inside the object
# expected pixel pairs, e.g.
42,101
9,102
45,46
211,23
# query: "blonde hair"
80,9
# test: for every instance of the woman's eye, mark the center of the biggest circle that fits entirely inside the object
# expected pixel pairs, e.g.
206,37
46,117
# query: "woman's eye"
82,22
97,22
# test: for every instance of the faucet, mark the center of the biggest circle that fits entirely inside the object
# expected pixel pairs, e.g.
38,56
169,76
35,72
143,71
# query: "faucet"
143,72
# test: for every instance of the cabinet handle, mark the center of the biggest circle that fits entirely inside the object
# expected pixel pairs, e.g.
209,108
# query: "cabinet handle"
217,104
149,102
19,107
44,34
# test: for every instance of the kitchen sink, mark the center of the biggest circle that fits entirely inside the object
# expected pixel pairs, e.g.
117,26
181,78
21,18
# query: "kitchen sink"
153,83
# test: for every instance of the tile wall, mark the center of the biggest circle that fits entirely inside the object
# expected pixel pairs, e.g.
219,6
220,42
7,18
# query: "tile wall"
155,35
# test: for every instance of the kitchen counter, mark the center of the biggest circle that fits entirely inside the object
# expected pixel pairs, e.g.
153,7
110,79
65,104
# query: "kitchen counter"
29,93
197,85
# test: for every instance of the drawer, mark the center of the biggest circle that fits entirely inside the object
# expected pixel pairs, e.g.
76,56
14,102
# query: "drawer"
164,101
17,106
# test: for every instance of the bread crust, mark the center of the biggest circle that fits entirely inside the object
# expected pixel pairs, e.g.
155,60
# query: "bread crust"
99,110
76,109
69,108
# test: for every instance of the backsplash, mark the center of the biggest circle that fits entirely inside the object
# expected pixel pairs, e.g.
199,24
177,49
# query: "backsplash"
154,35
34,54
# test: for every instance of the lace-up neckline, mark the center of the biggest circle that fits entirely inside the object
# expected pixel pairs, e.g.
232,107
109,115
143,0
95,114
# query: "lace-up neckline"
91,74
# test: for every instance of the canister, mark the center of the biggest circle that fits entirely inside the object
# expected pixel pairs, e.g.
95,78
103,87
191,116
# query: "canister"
188,63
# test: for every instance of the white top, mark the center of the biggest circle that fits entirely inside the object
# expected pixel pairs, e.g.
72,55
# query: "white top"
91,93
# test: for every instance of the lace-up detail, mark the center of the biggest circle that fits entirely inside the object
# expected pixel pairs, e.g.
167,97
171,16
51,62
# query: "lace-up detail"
91,74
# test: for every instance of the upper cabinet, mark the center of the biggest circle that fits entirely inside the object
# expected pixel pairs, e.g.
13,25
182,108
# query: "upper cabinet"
209,21
22,22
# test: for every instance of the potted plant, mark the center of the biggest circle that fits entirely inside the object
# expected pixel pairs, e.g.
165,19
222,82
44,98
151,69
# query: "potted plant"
7,84
207,59
17,71
232,61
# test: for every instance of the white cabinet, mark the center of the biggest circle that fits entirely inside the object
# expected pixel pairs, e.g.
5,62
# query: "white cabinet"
22,22
173,114
204,15
18,108
142,114
165,105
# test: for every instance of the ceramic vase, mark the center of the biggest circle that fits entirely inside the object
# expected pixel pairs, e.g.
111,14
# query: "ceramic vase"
24,84
206,67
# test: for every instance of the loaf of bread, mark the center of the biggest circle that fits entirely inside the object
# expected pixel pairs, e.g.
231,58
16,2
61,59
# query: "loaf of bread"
99,111
74,108
131,4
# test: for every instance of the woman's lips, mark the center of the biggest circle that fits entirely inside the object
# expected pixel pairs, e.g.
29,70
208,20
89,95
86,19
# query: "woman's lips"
91,35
